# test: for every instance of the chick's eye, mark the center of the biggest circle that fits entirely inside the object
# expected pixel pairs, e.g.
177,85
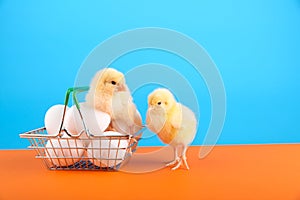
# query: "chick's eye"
158,103
113,82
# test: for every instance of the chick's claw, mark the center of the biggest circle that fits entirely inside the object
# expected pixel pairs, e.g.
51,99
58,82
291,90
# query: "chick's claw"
178,165
185,162
173,162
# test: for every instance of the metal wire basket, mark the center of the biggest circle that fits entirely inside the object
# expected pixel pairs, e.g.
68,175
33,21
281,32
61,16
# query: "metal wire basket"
74,152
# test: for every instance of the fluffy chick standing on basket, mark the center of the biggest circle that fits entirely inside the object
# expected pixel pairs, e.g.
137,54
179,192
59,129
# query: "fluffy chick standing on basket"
174,123
109,93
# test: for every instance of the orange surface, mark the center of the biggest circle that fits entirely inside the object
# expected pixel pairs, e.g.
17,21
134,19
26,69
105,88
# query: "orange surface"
229,172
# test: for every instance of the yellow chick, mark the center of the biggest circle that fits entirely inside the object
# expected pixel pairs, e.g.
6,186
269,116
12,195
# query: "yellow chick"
109,93
175,124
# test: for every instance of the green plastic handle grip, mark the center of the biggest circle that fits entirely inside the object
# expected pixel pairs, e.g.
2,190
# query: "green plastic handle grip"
75,91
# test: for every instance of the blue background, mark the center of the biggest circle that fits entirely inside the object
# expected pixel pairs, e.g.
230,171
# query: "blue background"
255,44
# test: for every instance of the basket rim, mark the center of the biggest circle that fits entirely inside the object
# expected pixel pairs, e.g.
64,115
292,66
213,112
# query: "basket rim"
36,133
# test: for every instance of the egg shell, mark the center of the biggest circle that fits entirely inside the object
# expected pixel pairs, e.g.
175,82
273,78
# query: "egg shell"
53,118
99,156
95,121
64,151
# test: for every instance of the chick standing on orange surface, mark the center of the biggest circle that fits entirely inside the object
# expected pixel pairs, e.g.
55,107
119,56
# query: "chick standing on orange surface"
174,123
109,93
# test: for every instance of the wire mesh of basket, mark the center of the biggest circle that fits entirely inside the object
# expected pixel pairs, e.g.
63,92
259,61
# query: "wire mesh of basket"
84,151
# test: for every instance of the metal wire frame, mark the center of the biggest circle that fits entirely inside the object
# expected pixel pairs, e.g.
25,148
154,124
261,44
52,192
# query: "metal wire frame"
59,153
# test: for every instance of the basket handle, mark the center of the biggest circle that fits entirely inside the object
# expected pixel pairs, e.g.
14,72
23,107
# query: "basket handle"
75,91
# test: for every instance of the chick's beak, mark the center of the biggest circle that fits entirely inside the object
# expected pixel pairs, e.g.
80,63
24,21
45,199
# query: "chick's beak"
121,88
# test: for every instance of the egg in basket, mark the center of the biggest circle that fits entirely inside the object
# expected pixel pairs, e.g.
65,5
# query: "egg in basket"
83,138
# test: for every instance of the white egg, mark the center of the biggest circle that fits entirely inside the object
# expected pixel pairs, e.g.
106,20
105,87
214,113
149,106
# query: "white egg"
53,119
64,151
95,121
99,153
